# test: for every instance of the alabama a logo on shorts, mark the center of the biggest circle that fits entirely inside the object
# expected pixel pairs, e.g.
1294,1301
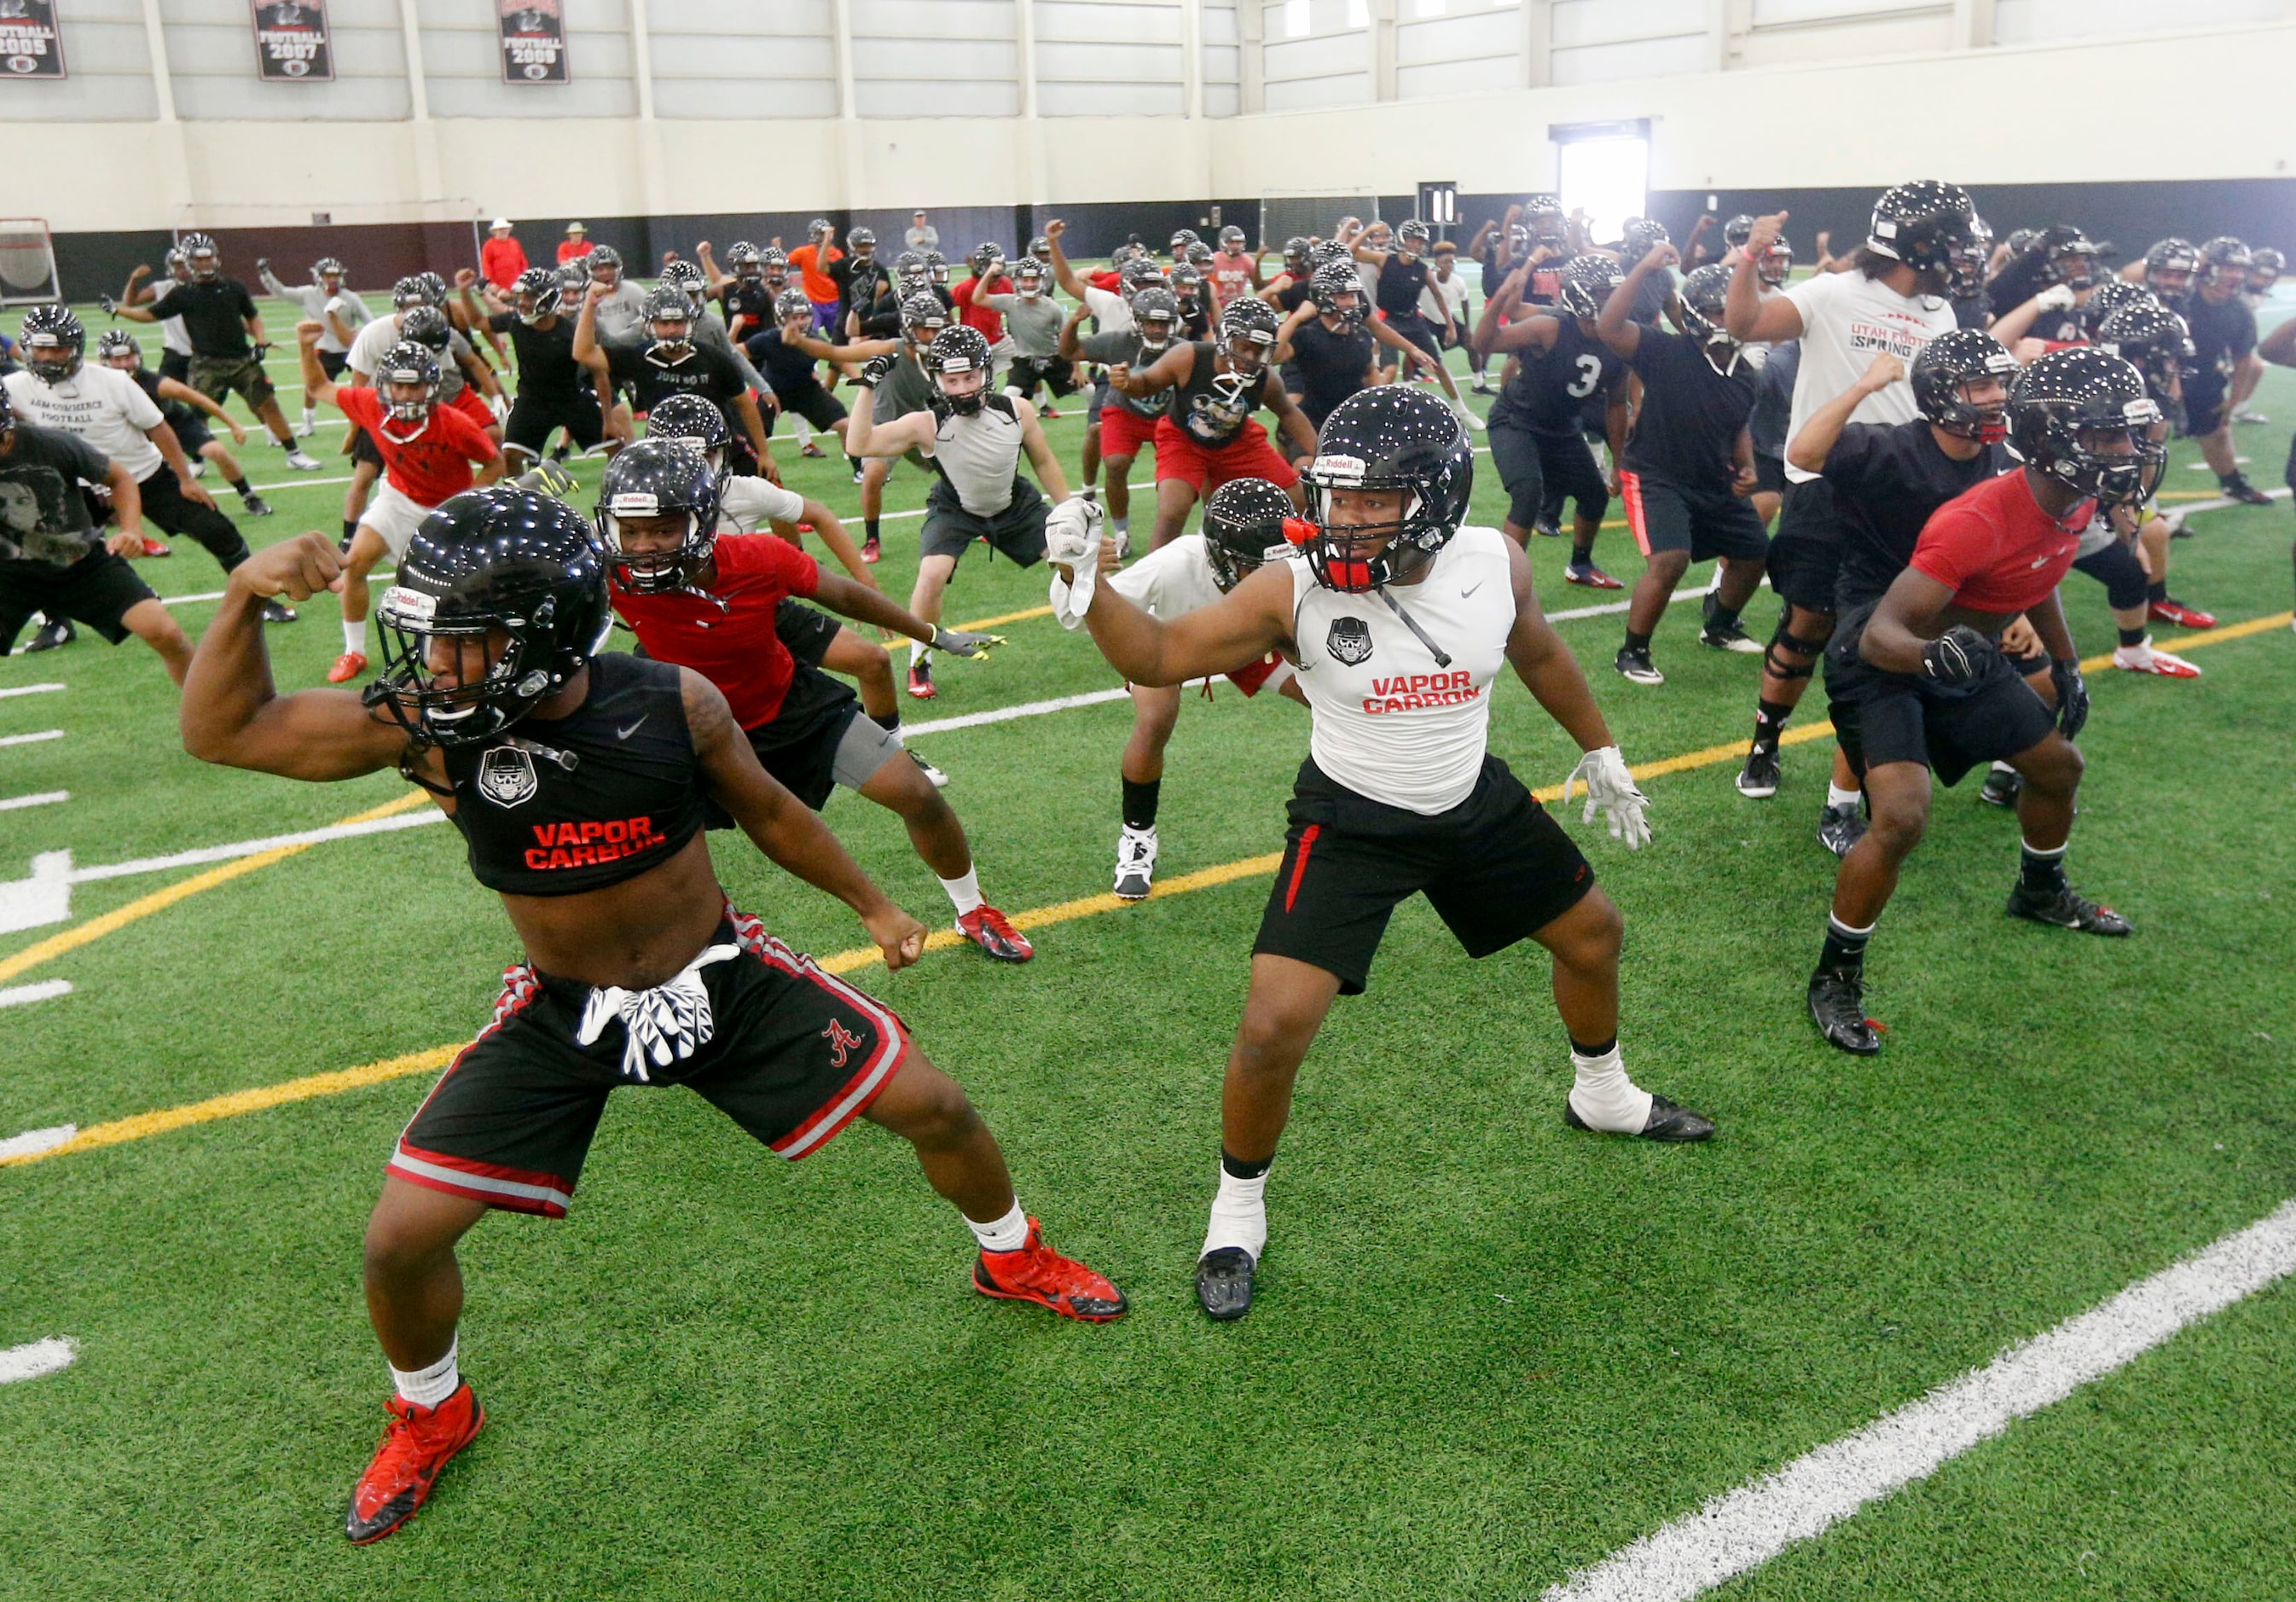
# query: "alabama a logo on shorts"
506,776
1350,641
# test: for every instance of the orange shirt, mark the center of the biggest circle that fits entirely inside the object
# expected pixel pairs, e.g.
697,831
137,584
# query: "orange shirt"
820,287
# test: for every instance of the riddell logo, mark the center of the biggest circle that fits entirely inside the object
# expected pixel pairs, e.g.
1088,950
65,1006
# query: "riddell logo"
589,843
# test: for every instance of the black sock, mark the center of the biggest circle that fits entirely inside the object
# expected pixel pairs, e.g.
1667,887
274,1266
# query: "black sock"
2158,590
1236,1168
351,527
1604,1050
1582,551
1638,642
854,462
869,530
1844,951
891,722
246,490
1769,723
2041,870
1140,809
1721,619
2132,637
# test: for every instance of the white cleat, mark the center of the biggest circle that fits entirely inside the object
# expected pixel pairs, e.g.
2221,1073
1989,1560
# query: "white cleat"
1135,863
2142,658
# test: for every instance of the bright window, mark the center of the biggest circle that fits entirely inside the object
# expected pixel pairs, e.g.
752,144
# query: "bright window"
1606,176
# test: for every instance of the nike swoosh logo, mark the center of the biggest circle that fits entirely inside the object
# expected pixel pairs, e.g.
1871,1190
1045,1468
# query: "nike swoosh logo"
624,734
1472,588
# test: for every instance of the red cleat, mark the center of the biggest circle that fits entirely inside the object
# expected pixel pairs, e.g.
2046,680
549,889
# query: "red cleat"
872,551
2180,615
1039,1274
921,684
416,1443
993,933
1587,574
156,547
811,451
348,666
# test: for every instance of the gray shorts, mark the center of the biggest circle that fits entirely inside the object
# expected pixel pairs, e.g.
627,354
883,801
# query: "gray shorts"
1018,531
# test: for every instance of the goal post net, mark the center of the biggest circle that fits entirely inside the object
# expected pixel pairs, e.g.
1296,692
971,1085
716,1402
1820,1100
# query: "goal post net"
27,262
1284,216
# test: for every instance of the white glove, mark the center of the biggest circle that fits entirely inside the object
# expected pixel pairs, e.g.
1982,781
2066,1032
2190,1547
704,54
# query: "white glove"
1072,538
1611,789
2057,297
499,407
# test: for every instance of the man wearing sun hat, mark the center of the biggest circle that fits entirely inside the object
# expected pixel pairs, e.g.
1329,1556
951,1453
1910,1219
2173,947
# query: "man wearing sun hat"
502,258
576,243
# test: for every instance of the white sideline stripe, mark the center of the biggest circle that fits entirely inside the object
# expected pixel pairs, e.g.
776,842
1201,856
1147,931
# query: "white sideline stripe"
37,1141
249,848
1026,709
1744,1528
45,798
381,575
300,482
41,1357
29,689
46,991
45,734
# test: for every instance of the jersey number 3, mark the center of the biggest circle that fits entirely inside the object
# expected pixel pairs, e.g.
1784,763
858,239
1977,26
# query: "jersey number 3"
1590,371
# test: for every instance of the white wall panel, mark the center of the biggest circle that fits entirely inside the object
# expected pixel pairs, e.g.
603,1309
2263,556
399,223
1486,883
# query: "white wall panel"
1113,99
1773,13
1640,58
106,53
744,58
1341,53
211,59
462,64
1303,94
1477,76
2039,21
1137,21
1575,22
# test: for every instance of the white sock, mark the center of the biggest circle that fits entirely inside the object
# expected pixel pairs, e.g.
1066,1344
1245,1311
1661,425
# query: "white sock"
919,653
804,430
964,890
1836,796
428,1387
1122,525
1006,1234
310,417
355,636
1238,1215
2034,850
1604,1098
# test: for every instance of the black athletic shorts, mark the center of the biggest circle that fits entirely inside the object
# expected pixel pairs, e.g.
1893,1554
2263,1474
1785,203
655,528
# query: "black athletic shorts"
98,590
175,365
1018,531
2204,403
1805,551
1099,399
1666,517
193,434
820,739
2117,568
332,362
1026,372
362,448
1769,474
1495,868
1882,718
794,1055
813,403
804,631
533,417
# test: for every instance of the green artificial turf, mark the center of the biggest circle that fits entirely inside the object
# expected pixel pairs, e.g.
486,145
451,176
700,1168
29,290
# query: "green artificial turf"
1488,1350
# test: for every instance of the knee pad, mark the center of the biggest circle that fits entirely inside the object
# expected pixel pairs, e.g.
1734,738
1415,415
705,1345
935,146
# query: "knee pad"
1782,640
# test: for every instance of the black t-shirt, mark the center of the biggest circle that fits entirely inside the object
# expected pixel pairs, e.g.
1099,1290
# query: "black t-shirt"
1887,480
1212,406
704,370
1329,366
1289,297
174,413
2020,279
1543,284
546,367
789,370
858,281
1973,311
754,301
43,515
1552,388
215,315
1691,413
1400,286
2221,336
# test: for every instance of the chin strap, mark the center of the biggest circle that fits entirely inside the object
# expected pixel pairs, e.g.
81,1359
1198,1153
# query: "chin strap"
1442,658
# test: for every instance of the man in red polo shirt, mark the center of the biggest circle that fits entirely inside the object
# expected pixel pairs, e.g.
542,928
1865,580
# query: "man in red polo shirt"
1918,682
813,259
708,600
431,451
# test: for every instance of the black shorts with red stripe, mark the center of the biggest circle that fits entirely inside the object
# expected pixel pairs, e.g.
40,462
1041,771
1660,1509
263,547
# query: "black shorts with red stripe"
794,1055
1495,868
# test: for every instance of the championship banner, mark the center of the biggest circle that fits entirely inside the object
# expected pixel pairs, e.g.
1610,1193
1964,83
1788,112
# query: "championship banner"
292,44
30,46
533,41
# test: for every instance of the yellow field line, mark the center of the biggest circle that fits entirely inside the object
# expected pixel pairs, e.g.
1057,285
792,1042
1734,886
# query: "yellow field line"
143,1125
159,900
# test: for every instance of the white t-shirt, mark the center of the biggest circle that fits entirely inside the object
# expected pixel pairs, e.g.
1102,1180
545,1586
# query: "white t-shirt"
375,339
1846,319
1444,293
746,505
1170,581
1390,722
1114,310
106,408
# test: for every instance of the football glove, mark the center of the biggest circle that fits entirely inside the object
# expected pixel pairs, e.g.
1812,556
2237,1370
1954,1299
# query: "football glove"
2072,697
1072,539
1960,655
111,305
874,370
2057,297
959,642
1610,791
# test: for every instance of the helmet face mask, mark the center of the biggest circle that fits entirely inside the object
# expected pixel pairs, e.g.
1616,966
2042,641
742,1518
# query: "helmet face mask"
1960,384
119,351
692,420
1586,283
2081,416
1921,225
1247,334
923,319
657,514
1776,265
1386,490
1028,278
1699,307
535,296
668,316
2265,266
2224,269
957,361
1338,293
1544,219
54,341
202,257
408,381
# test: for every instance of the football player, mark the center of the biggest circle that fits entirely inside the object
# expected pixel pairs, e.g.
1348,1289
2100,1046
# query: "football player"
582,783
326,295
2226,366
1401,617
1400,284
1120,424
183,407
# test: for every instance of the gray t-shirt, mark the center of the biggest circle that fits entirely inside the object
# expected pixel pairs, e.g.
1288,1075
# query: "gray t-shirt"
1106,348
924,236
1034,326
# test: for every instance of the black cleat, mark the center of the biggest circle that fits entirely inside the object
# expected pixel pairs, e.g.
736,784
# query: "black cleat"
1759,779
275,610
257,507
1841,827
1546,528
55,632
1224,1283
2001,787
1667,1121
2236,487
2065,908
1837,1006
1635,666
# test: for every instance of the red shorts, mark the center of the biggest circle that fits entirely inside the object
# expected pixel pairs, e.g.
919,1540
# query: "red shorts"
1248,455
472,405
1122,433
1270,671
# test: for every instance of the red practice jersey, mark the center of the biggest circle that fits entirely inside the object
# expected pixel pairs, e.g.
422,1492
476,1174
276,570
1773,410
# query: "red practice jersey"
1996,547
735,647
434,462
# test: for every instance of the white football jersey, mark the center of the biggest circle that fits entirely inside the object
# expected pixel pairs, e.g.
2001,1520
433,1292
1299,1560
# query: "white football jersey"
103,406
1392,722
746,504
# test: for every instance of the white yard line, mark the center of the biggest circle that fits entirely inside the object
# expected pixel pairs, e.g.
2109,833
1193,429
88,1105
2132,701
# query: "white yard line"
41,1357
30,689
45,734
383,576
1745,1528
44,799
249,848
47,989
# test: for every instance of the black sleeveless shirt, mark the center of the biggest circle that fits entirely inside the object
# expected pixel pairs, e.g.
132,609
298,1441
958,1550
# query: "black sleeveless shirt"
556,807
1212,406
1400,284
